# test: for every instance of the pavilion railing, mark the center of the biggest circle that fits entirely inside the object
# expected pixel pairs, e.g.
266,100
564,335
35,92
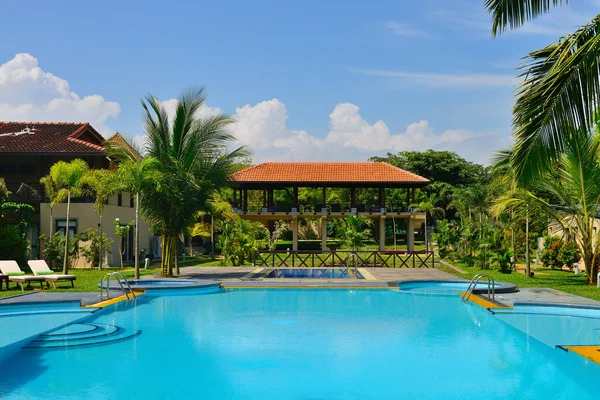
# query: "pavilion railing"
341,259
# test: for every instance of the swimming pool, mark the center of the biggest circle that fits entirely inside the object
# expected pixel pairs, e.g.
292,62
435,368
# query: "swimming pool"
301,344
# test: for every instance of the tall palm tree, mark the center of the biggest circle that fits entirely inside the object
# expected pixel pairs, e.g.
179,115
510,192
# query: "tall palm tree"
191,161
574,181
102,184
560,88
66,178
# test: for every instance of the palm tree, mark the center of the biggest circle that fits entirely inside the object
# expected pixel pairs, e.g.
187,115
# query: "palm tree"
575,181
190,162
102,184
66,179
560,88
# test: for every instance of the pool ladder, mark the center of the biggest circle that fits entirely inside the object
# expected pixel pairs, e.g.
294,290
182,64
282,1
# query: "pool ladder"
123,283
473,285
354,258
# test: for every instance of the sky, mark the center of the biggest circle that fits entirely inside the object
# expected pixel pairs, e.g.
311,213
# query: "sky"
306,80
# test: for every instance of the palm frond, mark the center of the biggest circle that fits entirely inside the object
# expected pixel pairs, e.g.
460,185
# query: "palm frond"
560,92
511,14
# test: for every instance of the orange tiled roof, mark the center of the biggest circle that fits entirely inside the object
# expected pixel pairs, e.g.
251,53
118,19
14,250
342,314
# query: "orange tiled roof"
333,172
49,137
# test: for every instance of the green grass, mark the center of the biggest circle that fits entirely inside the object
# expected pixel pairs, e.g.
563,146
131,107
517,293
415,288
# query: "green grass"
88,279
562,280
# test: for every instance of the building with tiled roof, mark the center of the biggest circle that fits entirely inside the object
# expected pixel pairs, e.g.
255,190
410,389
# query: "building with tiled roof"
29,149
347,177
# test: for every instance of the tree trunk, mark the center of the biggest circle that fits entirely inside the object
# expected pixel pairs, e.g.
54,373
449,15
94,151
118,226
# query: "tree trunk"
101,259
167,255
120,239
65,260
136,257
527,261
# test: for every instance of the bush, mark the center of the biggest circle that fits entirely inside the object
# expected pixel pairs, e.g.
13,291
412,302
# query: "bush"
92,253
569,254
550,255
54,249
14,245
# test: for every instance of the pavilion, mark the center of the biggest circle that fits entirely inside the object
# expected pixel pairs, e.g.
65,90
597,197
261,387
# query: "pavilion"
270,176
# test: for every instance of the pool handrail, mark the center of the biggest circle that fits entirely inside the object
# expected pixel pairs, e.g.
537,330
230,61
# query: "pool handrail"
473,285
120,278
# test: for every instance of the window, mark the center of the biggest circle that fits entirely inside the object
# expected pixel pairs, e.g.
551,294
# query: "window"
62,223
120,200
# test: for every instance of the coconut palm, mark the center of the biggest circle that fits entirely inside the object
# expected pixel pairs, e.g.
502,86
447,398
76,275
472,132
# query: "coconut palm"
190,162
574,181
66,179
429,207
560,88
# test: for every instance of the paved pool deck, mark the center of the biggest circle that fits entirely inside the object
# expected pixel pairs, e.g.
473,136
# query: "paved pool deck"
238,277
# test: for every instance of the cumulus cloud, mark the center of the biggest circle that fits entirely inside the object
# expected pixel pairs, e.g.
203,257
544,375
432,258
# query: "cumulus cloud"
28,93
264,130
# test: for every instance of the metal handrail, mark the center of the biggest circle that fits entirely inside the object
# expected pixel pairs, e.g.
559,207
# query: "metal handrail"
120,278
354,258
473,285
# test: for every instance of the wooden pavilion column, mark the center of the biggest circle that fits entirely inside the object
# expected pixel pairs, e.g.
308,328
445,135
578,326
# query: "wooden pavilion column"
381,197
295,234
324,196
410,235
270,197
235,205
323,234
246,200
295,200
352,197
264,198
382,234
407,198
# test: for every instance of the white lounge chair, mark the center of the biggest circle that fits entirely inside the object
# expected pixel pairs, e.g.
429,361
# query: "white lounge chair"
14,273
40,268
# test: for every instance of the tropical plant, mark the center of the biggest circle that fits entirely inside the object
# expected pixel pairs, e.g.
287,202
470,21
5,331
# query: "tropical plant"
240,240
102,184
66,178
447,238
190,162
560,88
121,231
54,249
356,232
569,254
551,252
98,244
574,183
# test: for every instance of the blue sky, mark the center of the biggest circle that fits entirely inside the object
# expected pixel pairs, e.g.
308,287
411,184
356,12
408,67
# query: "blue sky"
310,80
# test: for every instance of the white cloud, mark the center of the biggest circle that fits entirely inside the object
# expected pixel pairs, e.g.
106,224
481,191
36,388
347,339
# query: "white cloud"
442,80
404,29
263,129
28,93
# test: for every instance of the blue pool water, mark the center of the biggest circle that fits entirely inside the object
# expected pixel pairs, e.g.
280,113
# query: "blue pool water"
296,344
443,287
313,273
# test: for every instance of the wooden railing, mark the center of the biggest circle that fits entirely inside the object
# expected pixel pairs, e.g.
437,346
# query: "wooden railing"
338,259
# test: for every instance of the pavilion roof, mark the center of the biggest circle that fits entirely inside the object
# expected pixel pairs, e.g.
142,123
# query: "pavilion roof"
336,173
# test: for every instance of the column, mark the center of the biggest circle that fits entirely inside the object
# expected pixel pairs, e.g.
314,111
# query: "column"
296,198
294,234
410,235
324,234
381,197
352,197
324,197
382,234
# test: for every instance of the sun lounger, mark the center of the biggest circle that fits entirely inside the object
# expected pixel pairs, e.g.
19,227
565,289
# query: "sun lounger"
41,269
14,273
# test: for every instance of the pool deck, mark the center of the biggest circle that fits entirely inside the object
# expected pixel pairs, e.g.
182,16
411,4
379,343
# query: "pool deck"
241,277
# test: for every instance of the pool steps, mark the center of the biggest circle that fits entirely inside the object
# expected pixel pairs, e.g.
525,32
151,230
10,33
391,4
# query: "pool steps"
93,334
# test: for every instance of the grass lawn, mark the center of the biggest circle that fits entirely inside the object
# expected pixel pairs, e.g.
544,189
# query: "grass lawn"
88,279
562,280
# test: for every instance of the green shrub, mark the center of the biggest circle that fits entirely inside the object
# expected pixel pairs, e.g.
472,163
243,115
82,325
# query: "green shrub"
54,249
569,254
14,244
550,255
92,253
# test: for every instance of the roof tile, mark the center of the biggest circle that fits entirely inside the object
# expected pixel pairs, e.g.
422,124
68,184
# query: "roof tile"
49,137
333,172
